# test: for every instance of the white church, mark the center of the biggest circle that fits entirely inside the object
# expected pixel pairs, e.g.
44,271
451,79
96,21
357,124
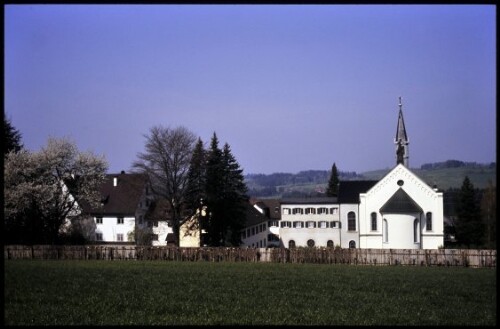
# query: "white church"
400,211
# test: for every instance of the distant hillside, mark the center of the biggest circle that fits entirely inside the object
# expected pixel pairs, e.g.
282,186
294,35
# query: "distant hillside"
448,174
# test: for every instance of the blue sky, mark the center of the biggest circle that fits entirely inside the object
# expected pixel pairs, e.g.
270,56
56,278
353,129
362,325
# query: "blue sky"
288,87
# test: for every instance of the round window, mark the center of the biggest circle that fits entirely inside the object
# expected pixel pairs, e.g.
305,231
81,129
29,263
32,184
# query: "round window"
400,182
310,243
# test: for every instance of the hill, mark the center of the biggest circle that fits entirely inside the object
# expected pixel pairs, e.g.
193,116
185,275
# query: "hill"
446,175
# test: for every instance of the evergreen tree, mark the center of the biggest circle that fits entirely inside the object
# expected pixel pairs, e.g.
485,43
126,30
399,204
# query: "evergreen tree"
195,189
235,199
12,137
488,211
469,226
333,183
214,192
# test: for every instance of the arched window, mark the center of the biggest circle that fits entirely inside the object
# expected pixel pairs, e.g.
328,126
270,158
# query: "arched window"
428,223
291,244
352,244
351,221
386,230
329,243
374,221
415,231
310,243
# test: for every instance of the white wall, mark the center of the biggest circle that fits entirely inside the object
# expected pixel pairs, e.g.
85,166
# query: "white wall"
110,228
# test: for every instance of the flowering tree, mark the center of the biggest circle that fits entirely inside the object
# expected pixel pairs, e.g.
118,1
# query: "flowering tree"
43,189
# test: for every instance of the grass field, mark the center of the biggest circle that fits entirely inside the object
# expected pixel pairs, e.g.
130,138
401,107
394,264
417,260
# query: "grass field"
185,293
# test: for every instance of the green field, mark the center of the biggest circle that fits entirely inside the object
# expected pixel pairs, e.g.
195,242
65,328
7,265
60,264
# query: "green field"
199,293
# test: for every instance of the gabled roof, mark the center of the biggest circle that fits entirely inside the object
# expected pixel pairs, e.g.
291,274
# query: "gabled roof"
400,202
122,199
271,207
349,190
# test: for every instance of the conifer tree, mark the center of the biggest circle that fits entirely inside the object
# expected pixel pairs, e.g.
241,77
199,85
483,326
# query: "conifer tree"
469,226
195,189
235,198
12,137
333,182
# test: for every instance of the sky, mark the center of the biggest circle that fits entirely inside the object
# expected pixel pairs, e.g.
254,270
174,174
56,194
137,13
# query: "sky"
288,87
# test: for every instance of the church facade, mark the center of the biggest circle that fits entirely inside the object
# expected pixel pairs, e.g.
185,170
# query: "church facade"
400,211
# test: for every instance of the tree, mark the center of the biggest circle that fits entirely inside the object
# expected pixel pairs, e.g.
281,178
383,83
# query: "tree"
333,182
468,226
234,200
225,196
12,137
488,211
43,189
166,164
195,190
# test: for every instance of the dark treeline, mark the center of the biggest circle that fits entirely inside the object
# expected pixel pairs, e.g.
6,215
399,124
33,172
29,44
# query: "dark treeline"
456,164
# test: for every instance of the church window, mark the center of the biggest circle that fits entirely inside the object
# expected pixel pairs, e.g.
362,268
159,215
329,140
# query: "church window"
374,221
415,230
310,243
352,244
428,223
351,221
401,182
291,244
386,231
329,243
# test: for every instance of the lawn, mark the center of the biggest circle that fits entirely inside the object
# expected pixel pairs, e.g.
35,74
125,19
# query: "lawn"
199,293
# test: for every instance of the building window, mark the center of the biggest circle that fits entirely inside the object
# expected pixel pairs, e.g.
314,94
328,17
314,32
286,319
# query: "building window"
154,237
248,232
322,210
323,224
98,236
119,237
98,220
155,223
333,211
386,230
286,211
253,230
119,220
298,211
428,222
298,224
273,223
272,237
329,243
333,224
291,244
352,244
286,224
310,224
351,221
374,221
310,211
310,243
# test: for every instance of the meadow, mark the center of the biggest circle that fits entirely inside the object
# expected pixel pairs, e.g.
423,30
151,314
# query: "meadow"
70,292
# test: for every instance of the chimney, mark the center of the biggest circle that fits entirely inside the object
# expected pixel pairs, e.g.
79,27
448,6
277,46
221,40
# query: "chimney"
115,181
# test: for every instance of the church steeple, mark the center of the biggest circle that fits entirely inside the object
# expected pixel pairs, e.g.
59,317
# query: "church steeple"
401,140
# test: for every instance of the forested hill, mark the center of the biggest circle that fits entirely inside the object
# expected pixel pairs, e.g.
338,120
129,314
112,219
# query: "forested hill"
447,174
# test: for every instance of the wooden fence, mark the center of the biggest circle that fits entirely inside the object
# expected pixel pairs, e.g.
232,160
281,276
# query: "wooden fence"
412,257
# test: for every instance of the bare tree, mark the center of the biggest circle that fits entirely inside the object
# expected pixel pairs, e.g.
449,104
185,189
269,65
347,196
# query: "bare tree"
166,163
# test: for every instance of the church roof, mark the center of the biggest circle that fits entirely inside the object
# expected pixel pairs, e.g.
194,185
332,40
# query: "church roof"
400,202
349,190
401,130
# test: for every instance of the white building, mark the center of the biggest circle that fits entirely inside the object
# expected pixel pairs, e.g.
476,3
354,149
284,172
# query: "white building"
400,211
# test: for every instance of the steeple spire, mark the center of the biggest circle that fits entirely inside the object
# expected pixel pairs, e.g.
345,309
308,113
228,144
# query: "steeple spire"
401,140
